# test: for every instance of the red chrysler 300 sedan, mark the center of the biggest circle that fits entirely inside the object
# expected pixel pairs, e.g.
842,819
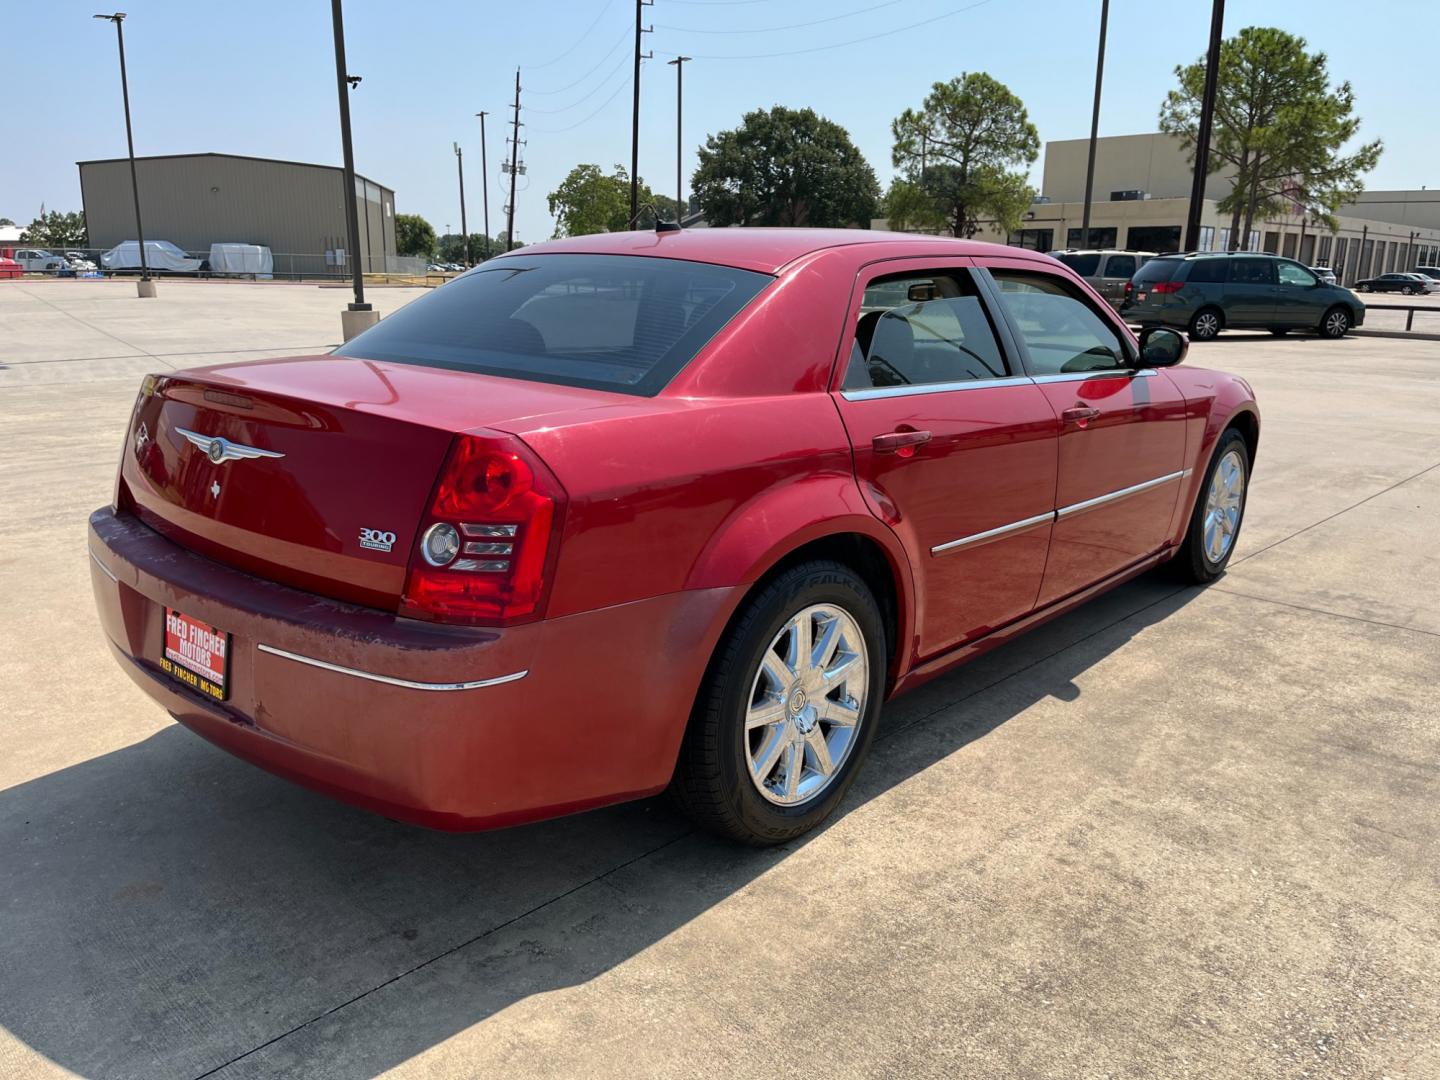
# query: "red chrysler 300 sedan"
646,510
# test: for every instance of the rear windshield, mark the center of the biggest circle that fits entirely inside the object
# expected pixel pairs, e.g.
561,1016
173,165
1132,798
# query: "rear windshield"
1157,270
1084,265
610,322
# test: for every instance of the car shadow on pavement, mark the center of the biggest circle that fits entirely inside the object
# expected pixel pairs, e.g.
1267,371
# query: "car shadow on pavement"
171,912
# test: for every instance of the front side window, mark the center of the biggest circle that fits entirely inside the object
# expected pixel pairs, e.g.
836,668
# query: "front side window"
1294,274
919,329
609,322
1062,334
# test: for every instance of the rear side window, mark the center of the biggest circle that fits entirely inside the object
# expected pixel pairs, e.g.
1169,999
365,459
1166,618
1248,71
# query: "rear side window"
609,322
921,329
1208,271
1157,270
1252,272
1120,266
1084,265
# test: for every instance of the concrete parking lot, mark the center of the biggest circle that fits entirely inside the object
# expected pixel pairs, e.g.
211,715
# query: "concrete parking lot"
1178,833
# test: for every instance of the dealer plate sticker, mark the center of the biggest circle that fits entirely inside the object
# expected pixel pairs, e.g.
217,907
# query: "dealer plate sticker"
196,654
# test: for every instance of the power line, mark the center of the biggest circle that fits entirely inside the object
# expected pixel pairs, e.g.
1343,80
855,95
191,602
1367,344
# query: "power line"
787,26
578,41
608,52
841,44
560,131
601,85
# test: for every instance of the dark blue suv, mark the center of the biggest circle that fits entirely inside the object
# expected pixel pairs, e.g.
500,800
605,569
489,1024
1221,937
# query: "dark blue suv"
1205,293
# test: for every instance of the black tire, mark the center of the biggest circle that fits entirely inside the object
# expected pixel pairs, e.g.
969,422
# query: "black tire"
1206,324
1192,563
712,784
1335,323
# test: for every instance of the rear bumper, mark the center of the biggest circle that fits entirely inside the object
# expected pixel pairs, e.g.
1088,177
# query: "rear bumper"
450,727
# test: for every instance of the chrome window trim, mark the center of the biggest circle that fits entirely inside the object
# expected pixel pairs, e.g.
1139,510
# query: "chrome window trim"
1104,373
103,568
994,534
409,684
869,392
1123,493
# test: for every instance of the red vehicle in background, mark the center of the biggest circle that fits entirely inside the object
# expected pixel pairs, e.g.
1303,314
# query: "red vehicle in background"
639,511
9,268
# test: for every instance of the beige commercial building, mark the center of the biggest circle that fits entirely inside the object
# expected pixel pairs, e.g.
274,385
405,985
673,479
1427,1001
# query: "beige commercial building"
1141,198
294,208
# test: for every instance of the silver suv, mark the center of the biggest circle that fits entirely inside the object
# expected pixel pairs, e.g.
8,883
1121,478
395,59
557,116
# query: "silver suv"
1107,270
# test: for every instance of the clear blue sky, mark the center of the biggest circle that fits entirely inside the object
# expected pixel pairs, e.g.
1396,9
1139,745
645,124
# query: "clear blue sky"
258,78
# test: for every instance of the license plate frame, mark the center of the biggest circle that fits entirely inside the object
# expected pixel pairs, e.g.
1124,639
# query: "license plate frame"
1140,297
195,654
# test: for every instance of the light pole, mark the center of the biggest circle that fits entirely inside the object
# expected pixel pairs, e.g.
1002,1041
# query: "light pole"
359,315
145,287
460,165
679,65
1202,137
1094,127
484,182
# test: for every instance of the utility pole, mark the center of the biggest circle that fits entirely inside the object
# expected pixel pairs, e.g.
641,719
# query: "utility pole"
145,287
484,181
640,5
679,64
359,315
514,166
464,230
1094,126
1207,117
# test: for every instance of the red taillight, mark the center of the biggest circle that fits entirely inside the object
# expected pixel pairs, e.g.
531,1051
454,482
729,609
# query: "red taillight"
1163,287
1129,287
484,546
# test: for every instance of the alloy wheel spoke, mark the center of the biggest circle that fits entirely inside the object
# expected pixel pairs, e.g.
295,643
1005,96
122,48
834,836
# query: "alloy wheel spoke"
798,654
780,674
820,751
770,710
769,755
794,765
839,671
842,713
824,650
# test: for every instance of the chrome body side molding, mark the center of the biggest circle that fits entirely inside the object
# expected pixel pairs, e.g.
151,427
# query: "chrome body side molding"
409,684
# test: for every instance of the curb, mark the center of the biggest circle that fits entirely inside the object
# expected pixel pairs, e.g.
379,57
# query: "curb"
1408,335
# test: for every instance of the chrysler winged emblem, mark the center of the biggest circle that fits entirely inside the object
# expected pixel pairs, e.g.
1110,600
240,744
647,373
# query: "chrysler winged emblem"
220,450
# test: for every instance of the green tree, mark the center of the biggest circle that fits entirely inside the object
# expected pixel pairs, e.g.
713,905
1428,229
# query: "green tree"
6,221
57,230
450,248
590,201
1278,125
969,147
784,167
414,235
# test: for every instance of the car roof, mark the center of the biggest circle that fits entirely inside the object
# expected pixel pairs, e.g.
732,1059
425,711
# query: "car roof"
762,249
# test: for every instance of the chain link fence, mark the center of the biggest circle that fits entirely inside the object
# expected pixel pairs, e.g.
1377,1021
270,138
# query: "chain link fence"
78,262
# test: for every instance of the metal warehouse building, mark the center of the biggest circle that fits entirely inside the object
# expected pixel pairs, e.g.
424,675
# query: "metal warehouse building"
294,208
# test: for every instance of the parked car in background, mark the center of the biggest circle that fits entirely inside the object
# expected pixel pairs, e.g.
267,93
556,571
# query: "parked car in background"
1207,293
9,268
1324,273
632,511
78,260
1431,272
1409,284
40,261
161,257
1106,270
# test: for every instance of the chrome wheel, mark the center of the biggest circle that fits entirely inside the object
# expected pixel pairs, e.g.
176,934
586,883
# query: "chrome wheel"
1224,503
1207,325
1336,323
806,704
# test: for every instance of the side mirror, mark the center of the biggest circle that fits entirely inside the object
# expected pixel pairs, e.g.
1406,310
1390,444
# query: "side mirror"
1162,347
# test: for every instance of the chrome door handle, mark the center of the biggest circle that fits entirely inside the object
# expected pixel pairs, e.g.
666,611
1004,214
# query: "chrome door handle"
1080,414
900,442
